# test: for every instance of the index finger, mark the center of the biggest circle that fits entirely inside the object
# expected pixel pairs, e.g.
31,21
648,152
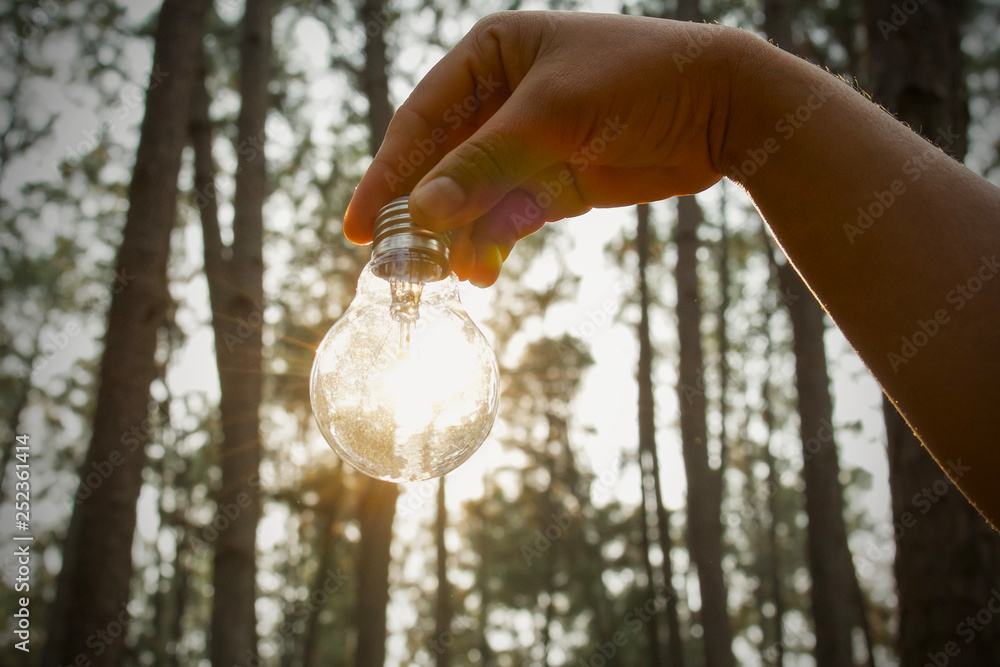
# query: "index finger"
456,97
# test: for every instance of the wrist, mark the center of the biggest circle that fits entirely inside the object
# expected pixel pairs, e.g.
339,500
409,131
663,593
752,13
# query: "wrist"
751,65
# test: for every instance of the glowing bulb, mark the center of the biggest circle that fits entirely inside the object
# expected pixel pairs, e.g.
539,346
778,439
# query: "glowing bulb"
404,386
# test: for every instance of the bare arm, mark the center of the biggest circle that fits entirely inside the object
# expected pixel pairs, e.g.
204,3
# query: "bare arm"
535,117
899,242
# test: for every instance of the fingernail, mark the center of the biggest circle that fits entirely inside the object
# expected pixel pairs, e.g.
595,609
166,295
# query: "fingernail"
493,258
492,261
441,198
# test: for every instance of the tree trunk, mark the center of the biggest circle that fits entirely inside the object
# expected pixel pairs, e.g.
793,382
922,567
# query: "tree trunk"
548,609
776,648
93,586
442,608
946,554
378,506
376,512
773,570
236,293
704,484
652,626
180,582
688,10
647,435
675,643
833,594
326,514
482,536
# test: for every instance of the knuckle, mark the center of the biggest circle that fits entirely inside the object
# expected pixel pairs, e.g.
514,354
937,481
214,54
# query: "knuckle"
482,160
496,32
498,24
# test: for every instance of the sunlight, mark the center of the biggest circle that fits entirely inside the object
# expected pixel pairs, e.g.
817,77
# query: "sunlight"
428,375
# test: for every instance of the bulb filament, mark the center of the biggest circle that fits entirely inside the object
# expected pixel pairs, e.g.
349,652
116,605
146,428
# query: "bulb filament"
405,308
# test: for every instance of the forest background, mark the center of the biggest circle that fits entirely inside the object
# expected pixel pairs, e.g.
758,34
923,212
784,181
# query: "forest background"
690,464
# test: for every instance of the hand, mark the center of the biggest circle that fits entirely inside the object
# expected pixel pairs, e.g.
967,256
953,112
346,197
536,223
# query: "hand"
538,116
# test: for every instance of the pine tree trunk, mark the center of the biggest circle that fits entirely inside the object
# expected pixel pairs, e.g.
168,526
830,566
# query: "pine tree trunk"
375,514
326,514
833,595
775,648
442,607
647,435
378,506
93,585
704,484
482,537
652,626
647,427
947,557
772,573
236,293
179,586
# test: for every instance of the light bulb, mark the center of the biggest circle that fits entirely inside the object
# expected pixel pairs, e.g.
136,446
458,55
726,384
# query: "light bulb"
405,387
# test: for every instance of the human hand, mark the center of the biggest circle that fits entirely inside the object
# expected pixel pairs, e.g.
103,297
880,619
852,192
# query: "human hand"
538,116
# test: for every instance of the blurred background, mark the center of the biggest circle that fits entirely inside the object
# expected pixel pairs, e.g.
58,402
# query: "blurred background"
690,465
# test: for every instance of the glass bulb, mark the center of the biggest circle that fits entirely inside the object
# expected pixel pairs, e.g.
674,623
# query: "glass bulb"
404,386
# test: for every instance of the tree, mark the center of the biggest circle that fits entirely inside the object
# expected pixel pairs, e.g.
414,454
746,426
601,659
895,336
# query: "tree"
442,602
946,554
649,458
544,541
97,561
378,502
704,484
835,594
773,552
236,292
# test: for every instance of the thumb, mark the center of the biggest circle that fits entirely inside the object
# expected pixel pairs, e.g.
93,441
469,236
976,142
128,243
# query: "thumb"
471,179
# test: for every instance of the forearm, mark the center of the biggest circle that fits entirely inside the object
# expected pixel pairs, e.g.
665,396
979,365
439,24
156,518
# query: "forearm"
899,242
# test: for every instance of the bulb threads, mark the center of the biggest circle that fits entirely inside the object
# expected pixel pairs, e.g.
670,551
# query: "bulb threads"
402,251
